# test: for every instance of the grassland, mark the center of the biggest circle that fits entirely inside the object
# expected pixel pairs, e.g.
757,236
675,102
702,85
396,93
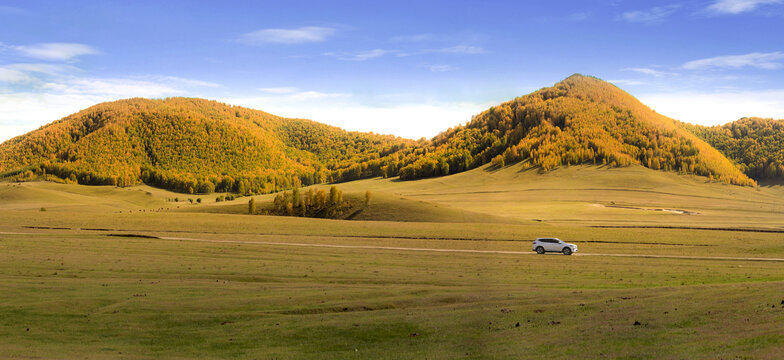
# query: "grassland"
210,282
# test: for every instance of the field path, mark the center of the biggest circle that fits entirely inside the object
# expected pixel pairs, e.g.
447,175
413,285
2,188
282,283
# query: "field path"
368,247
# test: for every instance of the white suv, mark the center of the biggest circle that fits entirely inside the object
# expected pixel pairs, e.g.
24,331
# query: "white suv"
543,245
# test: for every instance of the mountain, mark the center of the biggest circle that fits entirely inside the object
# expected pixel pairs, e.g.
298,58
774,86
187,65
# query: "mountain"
579,120
191,145
755,144
199,146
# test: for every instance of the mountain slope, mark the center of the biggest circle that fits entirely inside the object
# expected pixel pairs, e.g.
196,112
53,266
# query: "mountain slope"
755,144
189,145
579,120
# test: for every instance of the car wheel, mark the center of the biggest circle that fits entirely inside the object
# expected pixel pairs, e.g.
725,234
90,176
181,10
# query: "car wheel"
567,251
540,250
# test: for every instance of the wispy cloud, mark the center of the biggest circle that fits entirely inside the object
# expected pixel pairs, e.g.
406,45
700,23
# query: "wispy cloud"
291,94
343,110
362,55
121,88
462,49
305,34
738,6
651,16
441,68
416,38
649,71
278,90
55,51
767,61
48,69
13,76
717,108
10,10
30,74
189,82
579,16
627,82
34,93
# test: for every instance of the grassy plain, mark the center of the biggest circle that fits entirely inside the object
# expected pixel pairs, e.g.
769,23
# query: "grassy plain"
210,282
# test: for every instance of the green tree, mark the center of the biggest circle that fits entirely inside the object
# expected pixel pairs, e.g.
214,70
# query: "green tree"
251,206
334,195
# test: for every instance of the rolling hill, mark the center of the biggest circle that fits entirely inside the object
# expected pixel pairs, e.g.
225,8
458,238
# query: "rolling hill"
580,120
199,146
755,144
191,146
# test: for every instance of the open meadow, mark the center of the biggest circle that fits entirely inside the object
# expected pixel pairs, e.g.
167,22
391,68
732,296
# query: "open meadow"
668,267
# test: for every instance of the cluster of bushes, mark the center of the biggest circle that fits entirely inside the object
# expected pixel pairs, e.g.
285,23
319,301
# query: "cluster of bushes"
227,197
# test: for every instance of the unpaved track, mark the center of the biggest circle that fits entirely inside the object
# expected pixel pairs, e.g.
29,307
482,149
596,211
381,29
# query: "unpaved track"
396,248
368,247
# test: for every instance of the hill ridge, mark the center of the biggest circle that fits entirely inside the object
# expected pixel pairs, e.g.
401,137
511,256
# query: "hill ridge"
579,120
196,146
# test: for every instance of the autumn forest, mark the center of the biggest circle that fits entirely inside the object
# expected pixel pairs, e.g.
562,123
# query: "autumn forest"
198,146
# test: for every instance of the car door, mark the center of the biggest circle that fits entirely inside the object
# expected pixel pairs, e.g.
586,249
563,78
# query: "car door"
549,245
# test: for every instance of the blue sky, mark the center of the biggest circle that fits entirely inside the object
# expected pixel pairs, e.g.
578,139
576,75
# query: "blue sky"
409,68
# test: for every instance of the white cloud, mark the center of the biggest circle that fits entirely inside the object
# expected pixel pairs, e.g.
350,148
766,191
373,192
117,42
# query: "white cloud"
767,61
717,108
579,16
278,90
26,111
738,6
306,34
10,10
441,68
462,49
362,55
407,120
13,76
627,82
287,96
649,71
43,93
650,16
55,51
414,38
48,69
188,82
121,88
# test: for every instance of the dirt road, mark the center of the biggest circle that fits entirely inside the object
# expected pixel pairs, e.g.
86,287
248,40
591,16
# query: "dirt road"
368,247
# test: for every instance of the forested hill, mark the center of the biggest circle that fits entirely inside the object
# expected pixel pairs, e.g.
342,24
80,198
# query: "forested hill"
755,144
580,120
199,146
191,145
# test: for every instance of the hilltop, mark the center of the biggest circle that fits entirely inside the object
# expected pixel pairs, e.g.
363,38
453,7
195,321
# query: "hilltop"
199,146
191,145
580,120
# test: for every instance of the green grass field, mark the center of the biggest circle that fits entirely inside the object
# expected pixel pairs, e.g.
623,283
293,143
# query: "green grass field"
398,282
